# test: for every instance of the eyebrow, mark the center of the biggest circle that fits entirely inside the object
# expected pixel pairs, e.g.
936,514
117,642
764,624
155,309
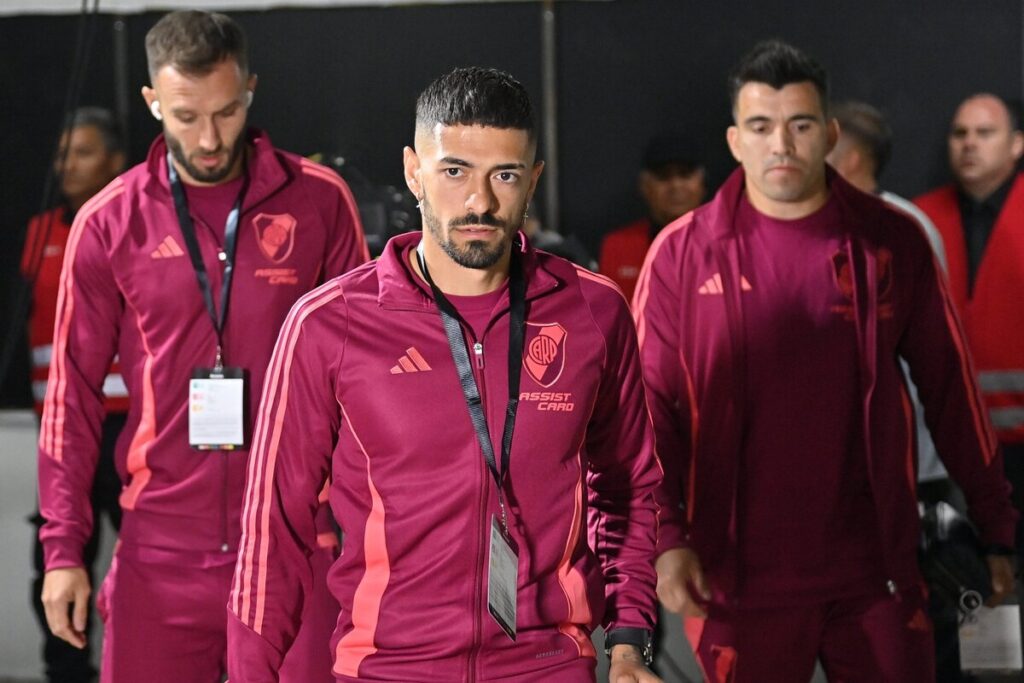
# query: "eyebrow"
511,166
964,129
186,110
795,117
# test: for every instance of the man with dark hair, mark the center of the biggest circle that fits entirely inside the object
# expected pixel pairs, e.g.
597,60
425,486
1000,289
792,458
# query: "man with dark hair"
672,183
466,548
89,156
981,218
771,323
214,204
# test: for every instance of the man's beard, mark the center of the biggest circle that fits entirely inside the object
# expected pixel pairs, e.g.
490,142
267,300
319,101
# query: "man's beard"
476,254
203,176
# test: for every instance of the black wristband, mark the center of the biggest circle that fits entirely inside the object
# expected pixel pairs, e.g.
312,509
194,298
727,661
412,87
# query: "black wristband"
639,638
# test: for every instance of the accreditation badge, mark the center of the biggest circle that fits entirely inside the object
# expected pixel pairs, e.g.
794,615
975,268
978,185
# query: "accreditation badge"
216,409
502,579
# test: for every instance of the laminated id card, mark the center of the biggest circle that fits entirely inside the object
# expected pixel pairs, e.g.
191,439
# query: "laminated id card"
502,580
216,409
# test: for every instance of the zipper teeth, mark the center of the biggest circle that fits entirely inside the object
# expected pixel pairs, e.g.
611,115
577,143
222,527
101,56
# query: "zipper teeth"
224,510
481,529
478,584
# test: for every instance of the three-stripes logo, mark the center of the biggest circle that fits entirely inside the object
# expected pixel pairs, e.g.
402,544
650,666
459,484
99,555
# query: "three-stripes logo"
411,361
713,285
167,249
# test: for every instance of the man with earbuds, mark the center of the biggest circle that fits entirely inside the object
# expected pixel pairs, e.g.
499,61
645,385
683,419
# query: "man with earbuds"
185,267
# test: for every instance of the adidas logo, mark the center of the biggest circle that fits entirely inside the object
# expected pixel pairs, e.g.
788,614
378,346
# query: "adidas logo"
713,285
411,361
167,249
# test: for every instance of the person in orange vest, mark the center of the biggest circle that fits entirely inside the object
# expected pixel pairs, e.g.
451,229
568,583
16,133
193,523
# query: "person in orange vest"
672,183
981,219
90,156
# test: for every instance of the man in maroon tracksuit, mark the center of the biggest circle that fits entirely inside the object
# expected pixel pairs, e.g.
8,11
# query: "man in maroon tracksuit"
472,552
771,323
213,204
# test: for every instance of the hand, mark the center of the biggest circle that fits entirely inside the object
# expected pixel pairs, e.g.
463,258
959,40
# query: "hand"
1002,578
679,576
62,589
627,666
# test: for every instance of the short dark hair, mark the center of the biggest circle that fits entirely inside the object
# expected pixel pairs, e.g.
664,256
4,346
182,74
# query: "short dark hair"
194,42
102,120
778,64
868,128
476,96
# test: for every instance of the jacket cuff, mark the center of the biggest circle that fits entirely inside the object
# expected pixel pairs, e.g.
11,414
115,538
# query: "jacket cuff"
61,553
632,617
670,536
998,532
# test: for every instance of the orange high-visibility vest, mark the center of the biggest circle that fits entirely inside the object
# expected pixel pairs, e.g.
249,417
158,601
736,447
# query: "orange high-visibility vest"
993,314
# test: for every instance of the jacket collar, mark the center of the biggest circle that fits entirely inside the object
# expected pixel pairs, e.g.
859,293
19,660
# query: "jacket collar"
401,288
721,211
267,174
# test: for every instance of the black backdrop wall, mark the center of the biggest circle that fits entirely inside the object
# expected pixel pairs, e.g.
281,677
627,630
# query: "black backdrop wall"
344,81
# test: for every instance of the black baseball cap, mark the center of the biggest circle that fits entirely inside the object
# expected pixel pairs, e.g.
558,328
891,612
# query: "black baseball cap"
671,149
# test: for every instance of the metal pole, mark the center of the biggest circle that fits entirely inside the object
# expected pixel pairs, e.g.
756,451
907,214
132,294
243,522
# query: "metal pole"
550,113
121,79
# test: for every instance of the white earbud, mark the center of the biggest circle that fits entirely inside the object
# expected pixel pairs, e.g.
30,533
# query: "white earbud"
248,98
154,109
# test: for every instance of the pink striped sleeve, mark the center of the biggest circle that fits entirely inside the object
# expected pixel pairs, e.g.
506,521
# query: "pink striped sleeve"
295,430
658,309
89,310
346,246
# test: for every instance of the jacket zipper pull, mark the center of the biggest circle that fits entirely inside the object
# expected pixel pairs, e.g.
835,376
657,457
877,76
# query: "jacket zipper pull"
478,349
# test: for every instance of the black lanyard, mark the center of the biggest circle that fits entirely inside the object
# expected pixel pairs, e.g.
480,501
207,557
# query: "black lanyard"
453,328
188,231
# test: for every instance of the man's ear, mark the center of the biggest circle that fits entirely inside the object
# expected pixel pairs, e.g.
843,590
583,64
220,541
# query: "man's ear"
832,133
1017,145
152,103
732,134
411,166
118,160
538,168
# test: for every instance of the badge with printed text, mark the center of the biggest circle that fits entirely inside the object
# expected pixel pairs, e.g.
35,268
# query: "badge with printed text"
216,409
502,579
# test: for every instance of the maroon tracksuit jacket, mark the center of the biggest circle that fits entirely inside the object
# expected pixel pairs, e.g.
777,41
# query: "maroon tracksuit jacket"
689,309
363,390
128,288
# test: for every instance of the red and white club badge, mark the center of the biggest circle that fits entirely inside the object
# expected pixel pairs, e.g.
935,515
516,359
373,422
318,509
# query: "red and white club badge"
275,233
544,352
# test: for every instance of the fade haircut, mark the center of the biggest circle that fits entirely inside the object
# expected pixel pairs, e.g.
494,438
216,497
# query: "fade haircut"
778,64
867,127
103,121
194,42
475,96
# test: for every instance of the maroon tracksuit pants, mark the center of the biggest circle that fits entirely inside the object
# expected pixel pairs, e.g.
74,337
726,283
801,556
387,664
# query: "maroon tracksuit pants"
869,639
167,623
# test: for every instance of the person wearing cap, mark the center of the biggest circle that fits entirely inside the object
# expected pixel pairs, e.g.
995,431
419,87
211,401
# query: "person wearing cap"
672,183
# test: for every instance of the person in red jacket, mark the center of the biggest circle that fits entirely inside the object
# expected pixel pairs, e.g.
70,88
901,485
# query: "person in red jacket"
478,408
89,157
184,267
771,325
981,219
672,183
